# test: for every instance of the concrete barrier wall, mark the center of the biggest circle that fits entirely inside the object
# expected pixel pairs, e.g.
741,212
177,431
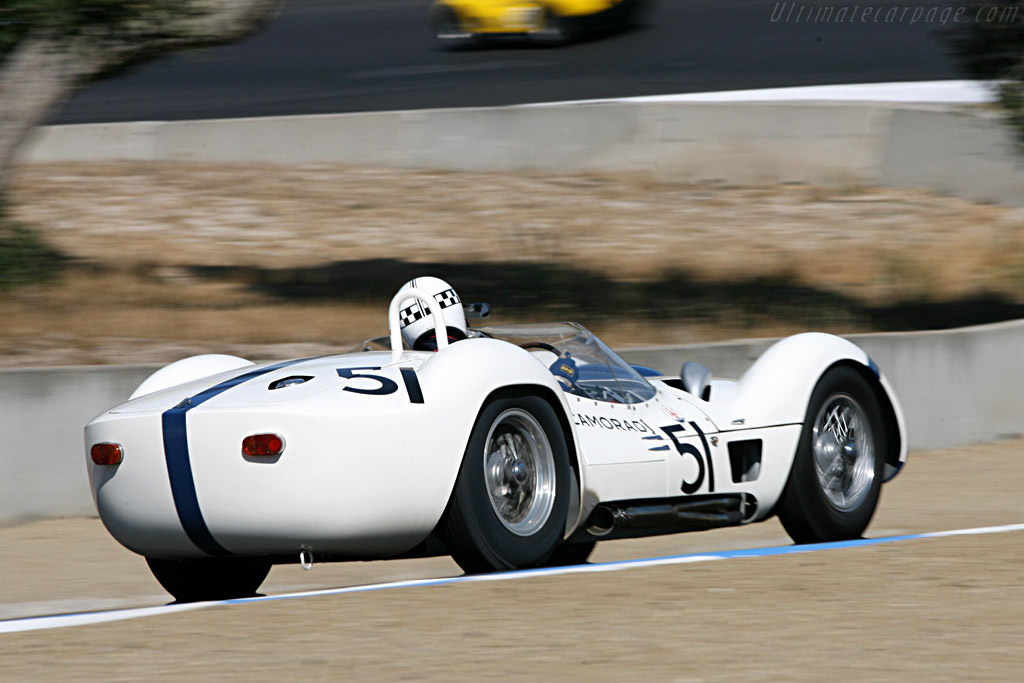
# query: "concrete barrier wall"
957,387
42,413
961,152
954,153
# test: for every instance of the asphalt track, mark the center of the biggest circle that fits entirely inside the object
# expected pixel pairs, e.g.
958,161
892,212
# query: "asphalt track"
333,56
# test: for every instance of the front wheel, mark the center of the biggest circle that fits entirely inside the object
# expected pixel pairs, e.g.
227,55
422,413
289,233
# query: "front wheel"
554,29
511,498
193,580
448,31
836,478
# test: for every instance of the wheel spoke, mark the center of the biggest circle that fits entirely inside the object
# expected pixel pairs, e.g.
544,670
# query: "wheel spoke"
513,452
843,451
832,477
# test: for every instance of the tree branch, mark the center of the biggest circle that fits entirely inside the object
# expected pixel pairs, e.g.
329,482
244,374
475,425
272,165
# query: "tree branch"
42,71
35,79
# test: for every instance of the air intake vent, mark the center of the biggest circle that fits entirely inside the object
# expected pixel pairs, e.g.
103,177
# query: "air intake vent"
289,382
745,459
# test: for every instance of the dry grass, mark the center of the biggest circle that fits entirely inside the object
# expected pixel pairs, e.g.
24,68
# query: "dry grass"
99,318
148,222
872,241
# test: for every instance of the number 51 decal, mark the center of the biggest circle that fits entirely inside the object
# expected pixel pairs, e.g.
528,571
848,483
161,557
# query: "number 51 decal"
685,449
387,385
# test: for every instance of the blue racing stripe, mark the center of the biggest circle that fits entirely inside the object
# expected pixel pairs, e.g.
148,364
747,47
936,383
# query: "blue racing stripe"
179,464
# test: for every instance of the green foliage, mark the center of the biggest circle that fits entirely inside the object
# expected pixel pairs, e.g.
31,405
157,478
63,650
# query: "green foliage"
990,41
24,256
1011,97
19,18
990,46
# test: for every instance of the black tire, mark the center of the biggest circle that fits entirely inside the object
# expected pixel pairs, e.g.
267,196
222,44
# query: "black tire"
555,30
569,554
832,496
193,580
480,538
614,20
448,31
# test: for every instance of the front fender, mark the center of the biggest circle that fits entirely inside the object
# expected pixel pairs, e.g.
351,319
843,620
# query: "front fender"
776,389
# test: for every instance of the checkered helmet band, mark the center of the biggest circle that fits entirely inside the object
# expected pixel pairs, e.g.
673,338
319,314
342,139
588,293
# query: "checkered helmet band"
418,310
414,315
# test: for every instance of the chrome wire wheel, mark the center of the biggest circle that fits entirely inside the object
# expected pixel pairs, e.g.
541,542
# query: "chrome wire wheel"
843,448
519,472
510,503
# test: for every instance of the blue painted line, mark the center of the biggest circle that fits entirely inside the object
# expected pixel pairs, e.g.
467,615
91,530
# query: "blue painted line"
620,565
88,618
659,448
652,438
179,462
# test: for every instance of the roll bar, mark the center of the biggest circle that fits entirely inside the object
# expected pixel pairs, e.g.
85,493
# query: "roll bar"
394,324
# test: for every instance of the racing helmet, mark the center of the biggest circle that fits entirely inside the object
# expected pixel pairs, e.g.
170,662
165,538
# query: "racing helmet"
417,325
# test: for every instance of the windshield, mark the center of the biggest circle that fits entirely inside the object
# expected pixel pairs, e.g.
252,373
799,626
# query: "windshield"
581,363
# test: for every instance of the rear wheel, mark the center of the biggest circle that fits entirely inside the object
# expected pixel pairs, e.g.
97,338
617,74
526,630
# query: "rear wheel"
511,499
569,554
192,580
836,479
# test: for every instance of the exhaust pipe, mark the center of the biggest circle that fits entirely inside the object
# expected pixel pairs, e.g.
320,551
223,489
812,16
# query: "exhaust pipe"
601,521
646,518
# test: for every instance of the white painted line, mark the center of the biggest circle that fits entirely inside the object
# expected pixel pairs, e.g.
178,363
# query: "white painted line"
978,531
85,619
919,92
64,620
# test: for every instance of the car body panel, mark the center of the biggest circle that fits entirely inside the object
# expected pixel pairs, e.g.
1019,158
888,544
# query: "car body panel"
519,16
348,483
525,17
374,441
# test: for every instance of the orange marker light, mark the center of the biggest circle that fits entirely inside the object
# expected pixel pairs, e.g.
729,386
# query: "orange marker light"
107,454
262,445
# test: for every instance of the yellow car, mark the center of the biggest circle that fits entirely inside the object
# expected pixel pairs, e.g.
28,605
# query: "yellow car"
462,23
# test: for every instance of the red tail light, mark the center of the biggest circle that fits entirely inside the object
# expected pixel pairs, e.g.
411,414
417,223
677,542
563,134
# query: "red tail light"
262,445
107,454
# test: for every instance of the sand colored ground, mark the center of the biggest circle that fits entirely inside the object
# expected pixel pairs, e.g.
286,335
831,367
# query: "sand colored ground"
941,609
145,224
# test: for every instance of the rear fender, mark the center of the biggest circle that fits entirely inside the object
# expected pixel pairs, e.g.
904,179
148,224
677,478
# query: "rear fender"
468,374
189,370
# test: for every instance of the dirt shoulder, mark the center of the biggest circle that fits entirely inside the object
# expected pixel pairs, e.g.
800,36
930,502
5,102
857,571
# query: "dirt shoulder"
941,609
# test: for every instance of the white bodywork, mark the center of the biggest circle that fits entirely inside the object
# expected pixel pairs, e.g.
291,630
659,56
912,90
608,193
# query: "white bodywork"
374,442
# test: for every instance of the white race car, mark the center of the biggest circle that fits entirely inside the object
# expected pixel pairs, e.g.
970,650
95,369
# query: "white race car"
521,446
